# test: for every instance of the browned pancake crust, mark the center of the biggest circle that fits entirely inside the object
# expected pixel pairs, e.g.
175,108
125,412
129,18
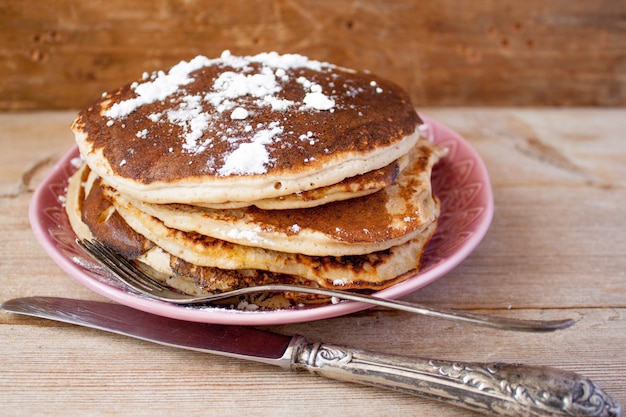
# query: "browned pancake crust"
108,226
375,118
364,220
356,220
369,182
357,186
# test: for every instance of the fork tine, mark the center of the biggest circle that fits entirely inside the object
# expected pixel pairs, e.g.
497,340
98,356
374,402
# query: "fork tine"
121,267
129,271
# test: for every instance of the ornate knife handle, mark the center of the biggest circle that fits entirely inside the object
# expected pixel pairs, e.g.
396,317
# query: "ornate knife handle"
490,388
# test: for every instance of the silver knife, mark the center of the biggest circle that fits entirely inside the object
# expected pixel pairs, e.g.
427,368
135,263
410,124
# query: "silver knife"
489,388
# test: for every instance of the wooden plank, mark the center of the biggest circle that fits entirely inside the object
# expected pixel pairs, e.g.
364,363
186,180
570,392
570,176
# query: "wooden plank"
65,54
52,368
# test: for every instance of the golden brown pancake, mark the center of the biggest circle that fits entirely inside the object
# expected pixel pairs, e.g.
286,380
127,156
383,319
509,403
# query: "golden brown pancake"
353,187
198,264
371,223
240,171
239,129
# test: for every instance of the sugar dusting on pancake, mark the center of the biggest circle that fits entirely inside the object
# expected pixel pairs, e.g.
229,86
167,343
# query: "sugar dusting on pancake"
278,123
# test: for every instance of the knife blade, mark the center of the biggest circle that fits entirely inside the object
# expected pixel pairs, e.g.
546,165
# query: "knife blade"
489,388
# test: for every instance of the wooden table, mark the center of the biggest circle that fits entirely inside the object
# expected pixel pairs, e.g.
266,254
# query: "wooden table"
556,248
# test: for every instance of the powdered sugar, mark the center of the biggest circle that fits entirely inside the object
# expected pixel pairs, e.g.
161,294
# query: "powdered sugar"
231,85
239,114
318,101
276,103
162,86
245,85
191,118
251,157
77,162
249,235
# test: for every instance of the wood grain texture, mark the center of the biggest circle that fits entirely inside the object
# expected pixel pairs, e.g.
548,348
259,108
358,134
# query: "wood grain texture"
64,54
555,249
50,369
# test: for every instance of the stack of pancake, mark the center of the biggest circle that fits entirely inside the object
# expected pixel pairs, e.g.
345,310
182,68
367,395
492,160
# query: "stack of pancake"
246,170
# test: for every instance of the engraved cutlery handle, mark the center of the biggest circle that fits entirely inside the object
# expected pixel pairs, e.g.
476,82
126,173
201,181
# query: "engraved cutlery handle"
490,388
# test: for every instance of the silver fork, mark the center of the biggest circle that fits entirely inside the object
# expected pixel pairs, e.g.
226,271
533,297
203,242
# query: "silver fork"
141,282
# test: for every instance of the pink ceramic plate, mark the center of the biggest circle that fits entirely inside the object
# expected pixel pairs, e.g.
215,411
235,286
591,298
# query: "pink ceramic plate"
460,180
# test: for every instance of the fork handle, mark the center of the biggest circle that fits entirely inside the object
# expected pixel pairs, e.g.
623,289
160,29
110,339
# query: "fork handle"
489,388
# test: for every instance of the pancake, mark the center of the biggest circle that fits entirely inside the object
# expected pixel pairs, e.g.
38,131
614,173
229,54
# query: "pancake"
243,129
198,264
372,268
232,172
353,187
376,222
85,204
